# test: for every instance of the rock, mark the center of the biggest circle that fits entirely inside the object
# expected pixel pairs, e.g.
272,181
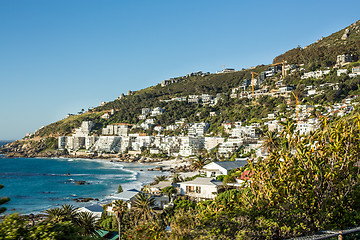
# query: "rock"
85,199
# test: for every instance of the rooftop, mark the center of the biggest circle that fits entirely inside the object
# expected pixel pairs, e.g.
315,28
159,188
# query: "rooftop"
203,181
229,165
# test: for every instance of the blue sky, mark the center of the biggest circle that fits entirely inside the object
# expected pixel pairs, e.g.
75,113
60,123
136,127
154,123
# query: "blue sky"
57,57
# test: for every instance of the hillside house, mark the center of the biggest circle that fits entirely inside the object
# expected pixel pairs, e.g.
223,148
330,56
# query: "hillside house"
285,89
95,210
118,129
215,169
193,99
230,146
356,70
342,60
200,188
341,71
159,128
157,111
105,116
128,196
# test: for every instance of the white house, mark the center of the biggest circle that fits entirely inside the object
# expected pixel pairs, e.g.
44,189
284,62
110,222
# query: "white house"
95,210
200,188
341,71
157,111
215,169
159,128
128,196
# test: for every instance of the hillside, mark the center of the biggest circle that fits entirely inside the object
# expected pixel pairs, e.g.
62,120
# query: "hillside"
129,107
324,51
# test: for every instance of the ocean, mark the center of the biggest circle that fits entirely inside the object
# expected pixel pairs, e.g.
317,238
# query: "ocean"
37,184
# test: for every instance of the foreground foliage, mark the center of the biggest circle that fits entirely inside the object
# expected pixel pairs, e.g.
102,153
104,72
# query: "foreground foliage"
64,223
307,184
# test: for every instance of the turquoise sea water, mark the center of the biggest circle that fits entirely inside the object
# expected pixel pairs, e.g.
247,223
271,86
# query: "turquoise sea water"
36,184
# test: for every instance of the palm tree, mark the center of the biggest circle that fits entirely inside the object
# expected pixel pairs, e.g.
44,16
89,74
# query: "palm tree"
70,213
199,162
271,141
119,208
143,206
54,214
158,179
87,223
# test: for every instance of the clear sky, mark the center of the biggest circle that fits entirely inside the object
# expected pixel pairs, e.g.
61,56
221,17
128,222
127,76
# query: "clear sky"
59,56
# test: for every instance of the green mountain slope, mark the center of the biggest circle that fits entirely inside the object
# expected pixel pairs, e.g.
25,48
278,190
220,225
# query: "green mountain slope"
324,51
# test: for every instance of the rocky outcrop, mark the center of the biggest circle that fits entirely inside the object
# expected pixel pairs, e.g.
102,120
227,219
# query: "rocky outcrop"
26,148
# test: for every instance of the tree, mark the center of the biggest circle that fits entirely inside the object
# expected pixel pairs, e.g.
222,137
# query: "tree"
65,213
199,162
13,227
120,190
282,108
159,178
49,230
54,214
2,201
119,208
143,206
68,213
311,183
270,142
87,224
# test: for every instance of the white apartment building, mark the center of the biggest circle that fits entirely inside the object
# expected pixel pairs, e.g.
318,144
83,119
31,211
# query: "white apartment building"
190,145
305,127
118,129
107,144
228,147
157,111
315,74
212,142
84,129
198,129
145,111
90,141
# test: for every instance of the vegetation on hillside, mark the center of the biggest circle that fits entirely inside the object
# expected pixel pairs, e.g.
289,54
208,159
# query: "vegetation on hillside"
324,52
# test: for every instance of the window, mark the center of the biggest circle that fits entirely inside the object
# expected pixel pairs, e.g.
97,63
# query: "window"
191,189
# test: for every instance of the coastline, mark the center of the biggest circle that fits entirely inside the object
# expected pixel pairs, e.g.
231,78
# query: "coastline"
149,167
138,177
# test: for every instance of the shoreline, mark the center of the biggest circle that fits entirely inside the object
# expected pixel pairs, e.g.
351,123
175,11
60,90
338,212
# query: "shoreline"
137,176
143,176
